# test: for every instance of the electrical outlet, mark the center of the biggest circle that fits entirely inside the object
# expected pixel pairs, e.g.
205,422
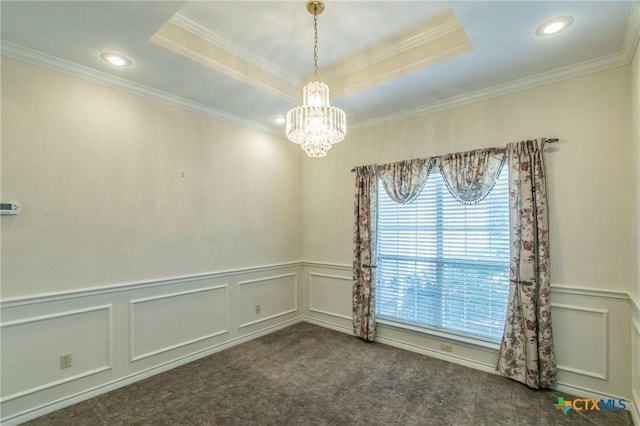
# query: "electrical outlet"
257,309
65,361
446,348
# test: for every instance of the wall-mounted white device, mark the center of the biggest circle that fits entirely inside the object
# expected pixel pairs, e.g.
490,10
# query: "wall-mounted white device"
9,207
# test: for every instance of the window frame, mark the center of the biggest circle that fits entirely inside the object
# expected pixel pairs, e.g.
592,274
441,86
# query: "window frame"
434,331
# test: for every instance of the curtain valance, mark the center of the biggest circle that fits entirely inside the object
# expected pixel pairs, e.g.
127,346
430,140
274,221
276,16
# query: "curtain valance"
469,175
404,180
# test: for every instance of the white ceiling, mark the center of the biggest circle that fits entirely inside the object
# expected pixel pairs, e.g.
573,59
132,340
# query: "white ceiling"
258,55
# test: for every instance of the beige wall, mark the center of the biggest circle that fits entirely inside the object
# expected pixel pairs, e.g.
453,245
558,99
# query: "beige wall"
635,291
116,188
99,173
590,176
589,171
591,202
149,236
635,137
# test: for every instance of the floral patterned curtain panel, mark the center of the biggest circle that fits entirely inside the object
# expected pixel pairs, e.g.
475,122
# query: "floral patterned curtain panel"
526,353
471,175
404,180
364,239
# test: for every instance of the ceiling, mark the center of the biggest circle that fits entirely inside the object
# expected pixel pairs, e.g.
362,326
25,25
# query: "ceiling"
246,61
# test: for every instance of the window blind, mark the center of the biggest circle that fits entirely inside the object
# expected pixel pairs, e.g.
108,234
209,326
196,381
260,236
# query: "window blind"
444,264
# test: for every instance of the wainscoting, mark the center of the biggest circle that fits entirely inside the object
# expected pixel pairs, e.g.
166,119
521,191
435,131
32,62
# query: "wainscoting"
591,337
591,334
121,334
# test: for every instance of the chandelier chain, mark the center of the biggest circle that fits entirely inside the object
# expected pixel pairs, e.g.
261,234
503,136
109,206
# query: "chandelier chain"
315,125
315,42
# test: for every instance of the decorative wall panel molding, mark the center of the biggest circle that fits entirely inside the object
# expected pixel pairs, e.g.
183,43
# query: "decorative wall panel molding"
31,349
325,265
592,349
325,291
263,299
579,291
583,348
635,306
139,285
635,367
150,326
184,318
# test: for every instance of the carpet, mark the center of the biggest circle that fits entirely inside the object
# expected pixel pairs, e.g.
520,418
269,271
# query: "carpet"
309,375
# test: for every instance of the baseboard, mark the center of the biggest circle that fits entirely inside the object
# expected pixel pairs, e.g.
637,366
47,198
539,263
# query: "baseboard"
635,385
465,362
15,420
632,405
327,324
141,375
409,347
588,393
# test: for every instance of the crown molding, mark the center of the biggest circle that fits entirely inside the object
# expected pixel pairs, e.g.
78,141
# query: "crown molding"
587,67
34,57
392,47
198,44
430,43
623,57
632,31
214,38
252,79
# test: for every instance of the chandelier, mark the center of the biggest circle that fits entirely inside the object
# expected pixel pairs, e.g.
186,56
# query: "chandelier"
316,125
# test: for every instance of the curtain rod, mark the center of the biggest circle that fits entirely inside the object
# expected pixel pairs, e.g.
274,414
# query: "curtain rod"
545,141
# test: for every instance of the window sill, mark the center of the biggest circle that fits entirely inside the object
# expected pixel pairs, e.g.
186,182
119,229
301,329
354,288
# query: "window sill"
442,335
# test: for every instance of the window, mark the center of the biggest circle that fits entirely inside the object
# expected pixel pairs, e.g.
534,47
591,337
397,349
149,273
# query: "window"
443,264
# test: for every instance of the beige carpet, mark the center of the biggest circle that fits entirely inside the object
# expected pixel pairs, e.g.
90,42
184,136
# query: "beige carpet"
308,375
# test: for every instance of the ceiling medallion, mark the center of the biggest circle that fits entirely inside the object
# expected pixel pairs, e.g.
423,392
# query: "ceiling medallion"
316,125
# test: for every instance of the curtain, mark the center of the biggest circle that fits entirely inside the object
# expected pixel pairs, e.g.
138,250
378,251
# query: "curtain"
526,353
404,180
471,175
364,239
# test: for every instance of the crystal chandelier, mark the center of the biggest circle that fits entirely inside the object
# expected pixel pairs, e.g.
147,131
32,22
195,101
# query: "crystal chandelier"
316,125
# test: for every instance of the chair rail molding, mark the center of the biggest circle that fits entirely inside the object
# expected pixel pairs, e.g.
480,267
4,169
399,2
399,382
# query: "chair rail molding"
122,333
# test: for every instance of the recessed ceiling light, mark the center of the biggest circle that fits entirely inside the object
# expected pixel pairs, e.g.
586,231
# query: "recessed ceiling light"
554,26
279,120
115,59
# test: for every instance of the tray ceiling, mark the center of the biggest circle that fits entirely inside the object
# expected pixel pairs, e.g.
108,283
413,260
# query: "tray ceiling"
246,62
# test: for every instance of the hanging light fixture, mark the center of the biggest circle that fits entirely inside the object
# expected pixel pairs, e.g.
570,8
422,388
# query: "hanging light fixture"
316,125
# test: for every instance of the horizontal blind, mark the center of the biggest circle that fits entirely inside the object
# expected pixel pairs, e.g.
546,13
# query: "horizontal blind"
442,263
